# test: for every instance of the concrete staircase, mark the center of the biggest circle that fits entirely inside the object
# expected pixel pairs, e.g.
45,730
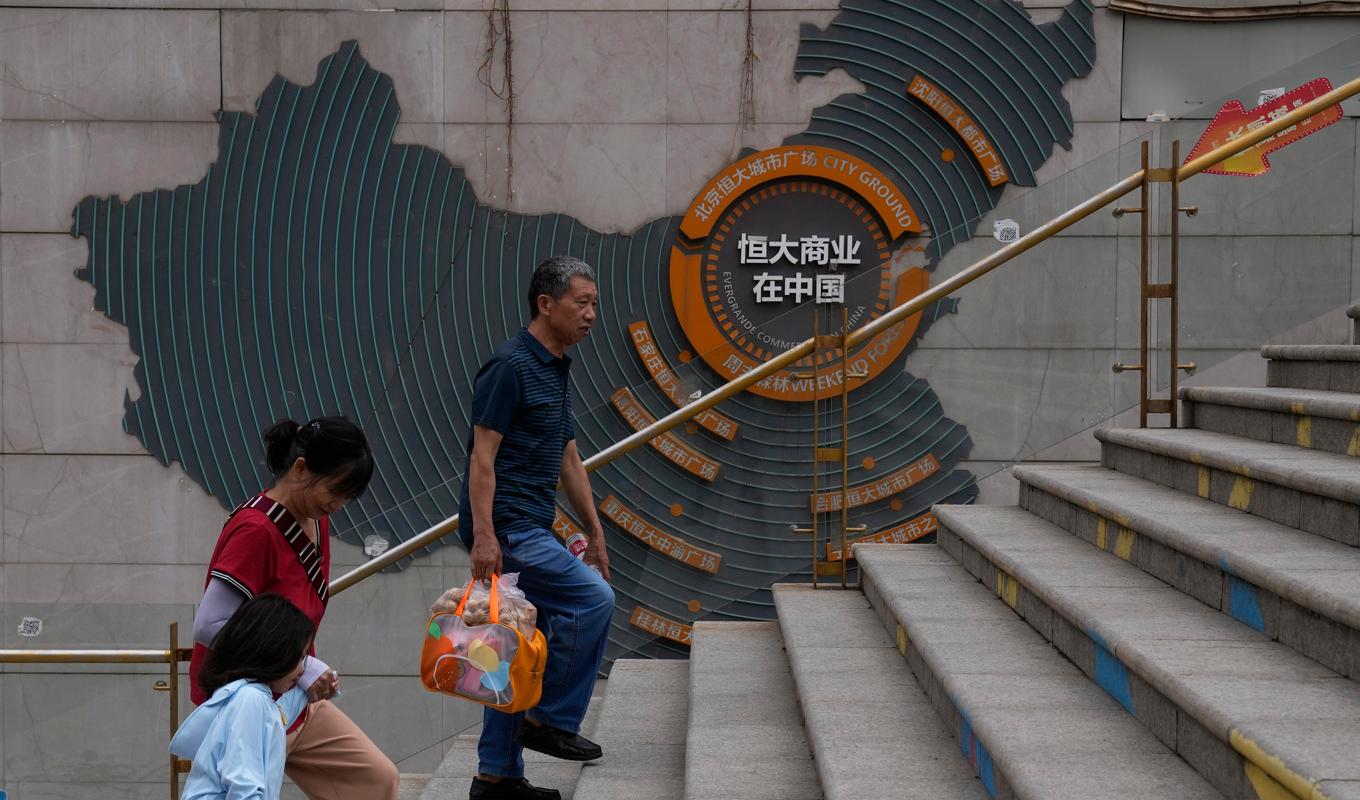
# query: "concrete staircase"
1180,622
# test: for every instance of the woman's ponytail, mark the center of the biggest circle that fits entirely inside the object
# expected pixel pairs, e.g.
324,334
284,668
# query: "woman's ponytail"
280,440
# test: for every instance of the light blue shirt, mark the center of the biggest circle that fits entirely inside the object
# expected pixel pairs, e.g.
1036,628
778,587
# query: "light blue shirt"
236,742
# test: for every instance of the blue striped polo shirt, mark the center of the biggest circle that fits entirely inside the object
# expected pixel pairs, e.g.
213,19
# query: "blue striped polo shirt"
522,393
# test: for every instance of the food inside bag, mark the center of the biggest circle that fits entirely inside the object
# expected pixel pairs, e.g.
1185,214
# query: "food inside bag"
515,609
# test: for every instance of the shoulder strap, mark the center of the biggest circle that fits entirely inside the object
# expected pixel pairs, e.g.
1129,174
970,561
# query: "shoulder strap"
308,554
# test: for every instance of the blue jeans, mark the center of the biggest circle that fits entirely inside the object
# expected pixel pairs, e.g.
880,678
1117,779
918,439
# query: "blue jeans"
574,609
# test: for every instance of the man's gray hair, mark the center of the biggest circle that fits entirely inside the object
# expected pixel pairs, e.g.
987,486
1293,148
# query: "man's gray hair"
553,278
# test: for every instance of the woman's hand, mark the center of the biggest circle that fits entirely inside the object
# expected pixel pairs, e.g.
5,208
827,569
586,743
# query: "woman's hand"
325,687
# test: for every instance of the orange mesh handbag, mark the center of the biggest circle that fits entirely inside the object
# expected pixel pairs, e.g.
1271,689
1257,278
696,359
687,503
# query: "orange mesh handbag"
493,664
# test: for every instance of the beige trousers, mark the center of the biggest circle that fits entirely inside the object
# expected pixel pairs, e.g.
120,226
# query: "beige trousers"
329,758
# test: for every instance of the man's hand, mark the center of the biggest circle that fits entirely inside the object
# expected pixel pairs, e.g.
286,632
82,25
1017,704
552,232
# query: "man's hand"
486,555
596,554
325,687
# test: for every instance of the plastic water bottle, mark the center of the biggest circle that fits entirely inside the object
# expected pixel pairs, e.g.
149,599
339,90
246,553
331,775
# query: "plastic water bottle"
576,545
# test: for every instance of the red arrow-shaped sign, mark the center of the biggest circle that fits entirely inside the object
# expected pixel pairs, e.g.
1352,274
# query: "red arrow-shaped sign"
1233,121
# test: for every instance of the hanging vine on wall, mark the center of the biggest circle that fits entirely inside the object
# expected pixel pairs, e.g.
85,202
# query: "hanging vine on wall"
746,112
498,29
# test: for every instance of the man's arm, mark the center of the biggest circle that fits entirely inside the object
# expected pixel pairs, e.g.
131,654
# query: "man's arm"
486,551
576,483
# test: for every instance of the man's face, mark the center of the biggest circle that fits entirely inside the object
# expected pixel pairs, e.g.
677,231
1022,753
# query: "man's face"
571,315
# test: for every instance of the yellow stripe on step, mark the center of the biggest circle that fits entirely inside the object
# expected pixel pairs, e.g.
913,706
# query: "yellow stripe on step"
1266,787
1296,784
1103,534
1007,588
1241,494
1354,448
1204,483
1123,544
1303,433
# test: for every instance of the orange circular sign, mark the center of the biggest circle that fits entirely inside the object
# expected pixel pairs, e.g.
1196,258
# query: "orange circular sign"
778,233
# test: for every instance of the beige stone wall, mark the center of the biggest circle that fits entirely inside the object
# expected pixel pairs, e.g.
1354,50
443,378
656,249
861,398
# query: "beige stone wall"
624,109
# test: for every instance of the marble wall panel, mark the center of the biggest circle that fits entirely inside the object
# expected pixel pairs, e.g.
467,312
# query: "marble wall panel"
589,67
104,64
1065,293
43,411
407,46
610,177
49,167
84,729
105,509
41,300
1240,291
1017,402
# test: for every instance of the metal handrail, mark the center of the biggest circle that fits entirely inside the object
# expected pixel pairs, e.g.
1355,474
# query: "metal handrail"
893,317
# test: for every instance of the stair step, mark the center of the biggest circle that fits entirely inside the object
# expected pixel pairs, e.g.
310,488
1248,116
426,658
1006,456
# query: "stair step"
642,732
1306,489
873,731
1246,712
1297,588
1335,366
456,771
1311,418
1354,313
1030,723
746,737
412,785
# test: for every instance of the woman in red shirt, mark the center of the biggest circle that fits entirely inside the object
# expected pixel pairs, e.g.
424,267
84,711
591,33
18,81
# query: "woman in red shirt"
278,542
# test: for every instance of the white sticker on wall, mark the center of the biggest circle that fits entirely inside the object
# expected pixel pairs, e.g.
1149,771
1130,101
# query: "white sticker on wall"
375,545
1006,230
30,626
1266,95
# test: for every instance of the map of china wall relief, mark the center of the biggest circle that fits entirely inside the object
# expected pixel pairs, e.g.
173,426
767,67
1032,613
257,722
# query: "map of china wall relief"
318,267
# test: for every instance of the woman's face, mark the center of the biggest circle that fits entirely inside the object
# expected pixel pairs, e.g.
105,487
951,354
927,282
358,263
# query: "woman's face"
323,498
315,495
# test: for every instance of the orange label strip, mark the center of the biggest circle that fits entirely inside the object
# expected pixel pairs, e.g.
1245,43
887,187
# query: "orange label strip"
710,420
667,444
909,531
799,161
880,489
563,525
949,110
652,622
657,539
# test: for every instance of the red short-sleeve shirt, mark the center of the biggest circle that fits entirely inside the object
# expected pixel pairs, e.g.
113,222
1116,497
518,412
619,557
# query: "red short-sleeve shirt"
262,550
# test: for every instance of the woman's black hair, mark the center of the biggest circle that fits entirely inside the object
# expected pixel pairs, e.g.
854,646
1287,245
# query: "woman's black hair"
333,448
263,641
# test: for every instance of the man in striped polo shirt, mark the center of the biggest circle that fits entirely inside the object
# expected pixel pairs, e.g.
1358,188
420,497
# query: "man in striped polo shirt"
523,441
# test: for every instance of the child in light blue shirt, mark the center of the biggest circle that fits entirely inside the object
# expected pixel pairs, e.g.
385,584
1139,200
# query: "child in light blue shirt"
236,738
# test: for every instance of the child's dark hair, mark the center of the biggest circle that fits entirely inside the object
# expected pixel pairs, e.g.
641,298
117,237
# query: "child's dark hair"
333,447
263,641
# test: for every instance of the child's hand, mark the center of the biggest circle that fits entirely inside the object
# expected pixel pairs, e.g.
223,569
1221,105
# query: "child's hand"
325,687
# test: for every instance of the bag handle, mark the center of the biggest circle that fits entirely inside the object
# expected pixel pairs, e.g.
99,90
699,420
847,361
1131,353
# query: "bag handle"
495,599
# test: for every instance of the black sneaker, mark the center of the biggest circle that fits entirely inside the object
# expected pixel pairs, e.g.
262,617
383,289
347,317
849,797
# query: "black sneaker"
510,789
556,742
